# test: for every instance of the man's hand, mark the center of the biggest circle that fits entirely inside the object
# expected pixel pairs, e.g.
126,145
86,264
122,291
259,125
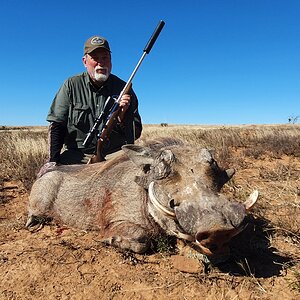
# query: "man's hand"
124,104
46,167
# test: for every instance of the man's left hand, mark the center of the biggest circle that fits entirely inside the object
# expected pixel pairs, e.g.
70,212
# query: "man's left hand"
125,102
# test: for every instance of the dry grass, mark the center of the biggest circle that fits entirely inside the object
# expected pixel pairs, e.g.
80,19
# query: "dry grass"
24,151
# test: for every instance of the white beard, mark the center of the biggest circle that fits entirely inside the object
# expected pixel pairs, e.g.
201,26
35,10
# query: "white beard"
99,76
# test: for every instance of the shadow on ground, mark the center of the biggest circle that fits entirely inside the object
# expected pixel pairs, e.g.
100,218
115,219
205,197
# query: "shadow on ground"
252,254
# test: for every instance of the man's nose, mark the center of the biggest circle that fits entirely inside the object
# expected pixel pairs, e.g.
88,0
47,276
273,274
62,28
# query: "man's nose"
100,61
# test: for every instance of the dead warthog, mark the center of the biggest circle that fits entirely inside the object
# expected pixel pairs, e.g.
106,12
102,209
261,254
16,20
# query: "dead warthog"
168,188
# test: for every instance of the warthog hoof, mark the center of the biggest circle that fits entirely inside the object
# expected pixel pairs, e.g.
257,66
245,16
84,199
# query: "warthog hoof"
36,223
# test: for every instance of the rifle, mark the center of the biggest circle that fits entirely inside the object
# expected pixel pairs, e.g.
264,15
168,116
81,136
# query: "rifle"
114,113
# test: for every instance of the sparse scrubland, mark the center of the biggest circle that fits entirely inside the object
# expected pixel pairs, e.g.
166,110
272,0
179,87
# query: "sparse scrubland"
62,263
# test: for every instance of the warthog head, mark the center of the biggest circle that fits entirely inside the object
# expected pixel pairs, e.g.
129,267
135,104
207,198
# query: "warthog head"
183,184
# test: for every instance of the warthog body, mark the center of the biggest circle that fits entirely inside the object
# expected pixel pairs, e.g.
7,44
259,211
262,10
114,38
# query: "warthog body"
146,191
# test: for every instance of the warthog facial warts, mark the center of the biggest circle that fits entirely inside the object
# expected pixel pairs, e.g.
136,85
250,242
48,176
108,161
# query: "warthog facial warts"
168,187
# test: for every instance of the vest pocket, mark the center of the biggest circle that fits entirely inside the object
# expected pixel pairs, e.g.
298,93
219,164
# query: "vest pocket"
81,117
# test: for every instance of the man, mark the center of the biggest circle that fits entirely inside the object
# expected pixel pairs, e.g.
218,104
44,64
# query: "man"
81,99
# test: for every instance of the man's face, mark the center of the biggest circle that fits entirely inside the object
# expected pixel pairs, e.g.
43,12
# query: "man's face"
98,64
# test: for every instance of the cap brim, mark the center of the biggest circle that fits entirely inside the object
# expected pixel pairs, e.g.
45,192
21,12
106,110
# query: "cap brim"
95,48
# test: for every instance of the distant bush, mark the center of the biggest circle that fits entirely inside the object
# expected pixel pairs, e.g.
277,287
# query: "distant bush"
293,119
163,124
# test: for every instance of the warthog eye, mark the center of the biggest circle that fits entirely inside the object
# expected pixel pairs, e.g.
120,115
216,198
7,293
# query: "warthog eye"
172,203
146,168
192,171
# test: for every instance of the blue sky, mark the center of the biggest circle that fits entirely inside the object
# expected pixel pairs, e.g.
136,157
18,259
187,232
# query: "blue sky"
215,61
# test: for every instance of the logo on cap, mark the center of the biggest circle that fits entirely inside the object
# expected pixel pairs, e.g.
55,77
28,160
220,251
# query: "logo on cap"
97,41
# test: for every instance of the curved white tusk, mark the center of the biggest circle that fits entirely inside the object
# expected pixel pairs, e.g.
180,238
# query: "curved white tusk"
157,204
183,236
251,200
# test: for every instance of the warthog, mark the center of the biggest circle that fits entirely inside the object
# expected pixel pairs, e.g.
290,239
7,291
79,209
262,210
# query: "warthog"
169,188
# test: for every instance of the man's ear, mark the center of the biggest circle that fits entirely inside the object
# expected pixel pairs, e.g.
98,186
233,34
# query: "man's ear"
84,60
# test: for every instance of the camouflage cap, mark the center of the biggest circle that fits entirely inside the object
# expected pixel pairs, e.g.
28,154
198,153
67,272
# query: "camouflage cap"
95,42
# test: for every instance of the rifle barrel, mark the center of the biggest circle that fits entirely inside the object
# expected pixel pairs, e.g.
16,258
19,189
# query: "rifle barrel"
146,51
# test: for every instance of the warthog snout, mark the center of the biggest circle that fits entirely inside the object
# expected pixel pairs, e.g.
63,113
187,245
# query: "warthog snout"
213,220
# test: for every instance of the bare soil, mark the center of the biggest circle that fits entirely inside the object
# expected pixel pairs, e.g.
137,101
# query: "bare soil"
63,263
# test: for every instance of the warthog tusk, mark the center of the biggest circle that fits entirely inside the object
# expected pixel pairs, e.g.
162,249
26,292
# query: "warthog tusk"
251,200
157,204
183,236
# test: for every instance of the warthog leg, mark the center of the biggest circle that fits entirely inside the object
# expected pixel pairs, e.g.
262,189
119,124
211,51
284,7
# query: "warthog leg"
126,244
128,237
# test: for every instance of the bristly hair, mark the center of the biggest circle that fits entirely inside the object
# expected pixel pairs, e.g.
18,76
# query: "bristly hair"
162,142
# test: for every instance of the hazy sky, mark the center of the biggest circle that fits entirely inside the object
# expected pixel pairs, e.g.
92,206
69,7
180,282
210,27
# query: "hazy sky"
215,62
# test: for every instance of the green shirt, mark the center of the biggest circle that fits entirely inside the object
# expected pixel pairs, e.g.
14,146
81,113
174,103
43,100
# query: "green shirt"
78,103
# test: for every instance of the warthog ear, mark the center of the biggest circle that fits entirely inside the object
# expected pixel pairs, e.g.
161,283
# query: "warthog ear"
205,155
139,155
